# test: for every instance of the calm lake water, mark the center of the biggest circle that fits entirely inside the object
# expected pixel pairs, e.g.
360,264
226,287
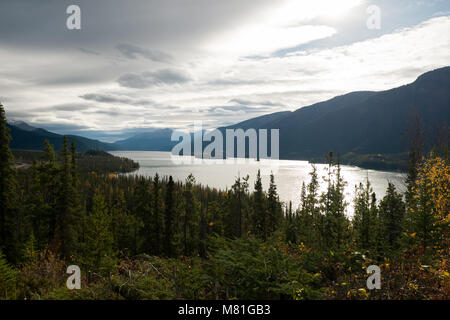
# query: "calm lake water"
289,174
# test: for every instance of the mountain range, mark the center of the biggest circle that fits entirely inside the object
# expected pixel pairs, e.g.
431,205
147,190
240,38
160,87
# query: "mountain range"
26,137
364,122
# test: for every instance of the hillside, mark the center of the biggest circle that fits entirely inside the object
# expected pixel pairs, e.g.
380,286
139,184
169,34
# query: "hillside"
369,129
27,137
155,140
368,122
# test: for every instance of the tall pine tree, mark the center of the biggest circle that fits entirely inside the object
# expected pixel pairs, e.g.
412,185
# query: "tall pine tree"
169,216
259,209
8,195
392,210
68,207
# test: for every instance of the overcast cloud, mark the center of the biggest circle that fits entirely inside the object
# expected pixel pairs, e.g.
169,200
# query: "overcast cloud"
166,63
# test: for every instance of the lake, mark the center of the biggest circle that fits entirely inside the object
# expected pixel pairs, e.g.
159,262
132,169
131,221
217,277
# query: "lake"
289,174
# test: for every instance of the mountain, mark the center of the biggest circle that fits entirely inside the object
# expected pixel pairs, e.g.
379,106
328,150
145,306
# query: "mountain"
368,122
160,139
155,140
26,137
366,125
358,123
21,125
259,122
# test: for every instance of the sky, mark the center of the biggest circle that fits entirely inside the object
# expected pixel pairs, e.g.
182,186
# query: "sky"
141,64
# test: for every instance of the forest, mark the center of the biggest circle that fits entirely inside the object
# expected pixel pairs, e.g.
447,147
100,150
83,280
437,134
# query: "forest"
95,160
156,238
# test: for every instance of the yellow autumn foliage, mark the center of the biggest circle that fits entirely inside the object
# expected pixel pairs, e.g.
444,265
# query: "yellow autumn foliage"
434,180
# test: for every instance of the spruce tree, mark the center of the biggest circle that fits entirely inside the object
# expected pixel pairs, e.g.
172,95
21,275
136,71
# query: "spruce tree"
275,213
123,225
365,216
98,248
8,195
50,184
336,225
157,231
143,199
238,220
290,228
169,218
309,219
202,231
190,218
68,209
392,209
259,209
427,220
37,209
77,206
415,158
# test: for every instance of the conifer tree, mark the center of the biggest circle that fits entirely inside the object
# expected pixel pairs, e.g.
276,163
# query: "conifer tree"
238,207
309,216
68,218
415,158
77,207
8,195
143,210
290,228
392,209
98,248
259,209
302,197
202,231
275,213
190,218
169,218
49,180
427,220
336,224
123,225
365,217
39,212
158,223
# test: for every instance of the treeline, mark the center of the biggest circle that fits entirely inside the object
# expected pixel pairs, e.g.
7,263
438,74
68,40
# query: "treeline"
92,160
156,238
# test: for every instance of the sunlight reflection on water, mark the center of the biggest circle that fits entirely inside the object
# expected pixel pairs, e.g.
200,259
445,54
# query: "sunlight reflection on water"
288,177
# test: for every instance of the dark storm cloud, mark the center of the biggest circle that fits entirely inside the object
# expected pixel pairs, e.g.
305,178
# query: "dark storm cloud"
133,52
106,23
157,78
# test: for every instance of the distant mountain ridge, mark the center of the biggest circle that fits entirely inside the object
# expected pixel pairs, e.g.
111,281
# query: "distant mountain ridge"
21,125
26,137
368,122
361,123
155,140
160,139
